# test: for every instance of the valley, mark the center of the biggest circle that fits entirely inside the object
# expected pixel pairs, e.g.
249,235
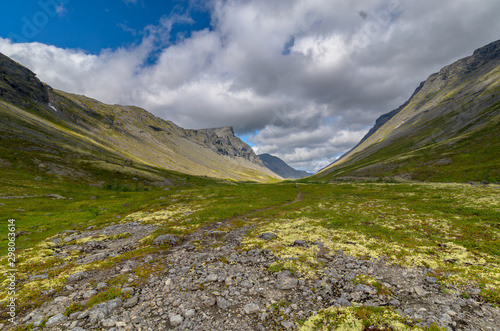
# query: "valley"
124,221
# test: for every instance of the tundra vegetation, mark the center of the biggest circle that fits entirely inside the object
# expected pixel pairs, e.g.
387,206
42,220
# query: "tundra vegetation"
452,228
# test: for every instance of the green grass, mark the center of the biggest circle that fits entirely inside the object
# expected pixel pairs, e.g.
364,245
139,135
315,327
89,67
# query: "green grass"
412,225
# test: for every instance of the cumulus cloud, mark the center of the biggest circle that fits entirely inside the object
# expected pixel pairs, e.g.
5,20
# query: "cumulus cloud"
304,80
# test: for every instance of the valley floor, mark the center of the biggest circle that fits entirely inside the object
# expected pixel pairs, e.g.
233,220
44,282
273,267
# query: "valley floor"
345,256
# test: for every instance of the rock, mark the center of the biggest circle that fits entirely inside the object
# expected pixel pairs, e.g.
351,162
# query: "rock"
78,329
365,289
300,243
56,319
288,325
101,286
176,320
108,322
166,238
77,276
190,313
446,319
343,302
431,280
246,284
285,281
57,241
103,310
88,294
131,302
83,315
267,236
209,302
251,308
55,196
36,277
212,278
419,290
223,303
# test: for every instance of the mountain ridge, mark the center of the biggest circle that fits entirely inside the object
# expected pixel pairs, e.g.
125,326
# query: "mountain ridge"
430,136
35,114
281,168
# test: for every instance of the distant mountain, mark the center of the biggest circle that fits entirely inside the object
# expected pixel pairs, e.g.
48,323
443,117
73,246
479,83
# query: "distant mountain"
73,135
279,167
447,131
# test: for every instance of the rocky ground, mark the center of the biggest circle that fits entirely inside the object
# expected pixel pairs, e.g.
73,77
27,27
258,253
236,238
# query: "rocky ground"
206,283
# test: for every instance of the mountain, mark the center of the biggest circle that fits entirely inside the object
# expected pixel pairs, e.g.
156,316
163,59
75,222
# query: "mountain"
279,167
75,136
447,130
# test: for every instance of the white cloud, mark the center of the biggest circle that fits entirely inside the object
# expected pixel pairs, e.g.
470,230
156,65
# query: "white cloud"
341,72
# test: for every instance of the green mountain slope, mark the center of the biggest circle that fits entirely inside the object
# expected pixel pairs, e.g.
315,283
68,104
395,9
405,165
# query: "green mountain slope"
447,131
50,132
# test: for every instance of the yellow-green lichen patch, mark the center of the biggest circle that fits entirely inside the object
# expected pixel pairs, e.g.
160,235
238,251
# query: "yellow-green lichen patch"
305,259
465,266
357,319
170,215
90,238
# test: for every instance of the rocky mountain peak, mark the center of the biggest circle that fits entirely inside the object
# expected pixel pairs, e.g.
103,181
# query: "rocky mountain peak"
20,85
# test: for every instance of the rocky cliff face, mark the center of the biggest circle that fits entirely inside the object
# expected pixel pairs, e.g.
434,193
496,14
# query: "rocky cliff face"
224,142
446,131
18,84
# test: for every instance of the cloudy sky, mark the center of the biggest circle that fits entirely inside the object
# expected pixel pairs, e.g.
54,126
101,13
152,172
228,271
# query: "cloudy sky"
303,80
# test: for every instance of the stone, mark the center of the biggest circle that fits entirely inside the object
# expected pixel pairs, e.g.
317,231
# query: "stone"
77,276
246,284
166,238
55,196
190,313
101,286
103,310
446,319
251,308
267,236
287,283
131,302
209,302
288,325
365,289
419,290
36,277
223,303
300,243
212,278
88,294
176,320
56,241
78,329
56,319
108,322
343,302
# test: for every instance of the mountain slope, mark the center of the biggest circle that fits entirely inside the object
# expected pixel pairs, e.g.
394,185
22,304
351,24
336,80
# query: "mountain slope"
63,130
279,167
447,131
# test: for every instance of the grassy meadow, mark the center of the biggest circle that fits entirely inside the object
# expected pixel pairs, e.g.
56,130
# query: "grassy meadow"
452,228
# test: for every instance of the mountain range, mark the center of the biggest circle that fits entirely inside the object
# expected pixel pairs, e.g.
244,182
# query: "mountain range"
63,134
446,131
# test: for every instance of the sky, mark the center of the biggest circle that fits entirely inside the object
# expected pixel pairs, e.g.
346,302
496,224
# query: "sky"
300,79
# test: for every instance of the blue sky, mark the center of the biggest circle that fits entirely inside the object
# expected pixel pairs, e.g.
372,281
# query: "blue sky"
303,80
94,25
